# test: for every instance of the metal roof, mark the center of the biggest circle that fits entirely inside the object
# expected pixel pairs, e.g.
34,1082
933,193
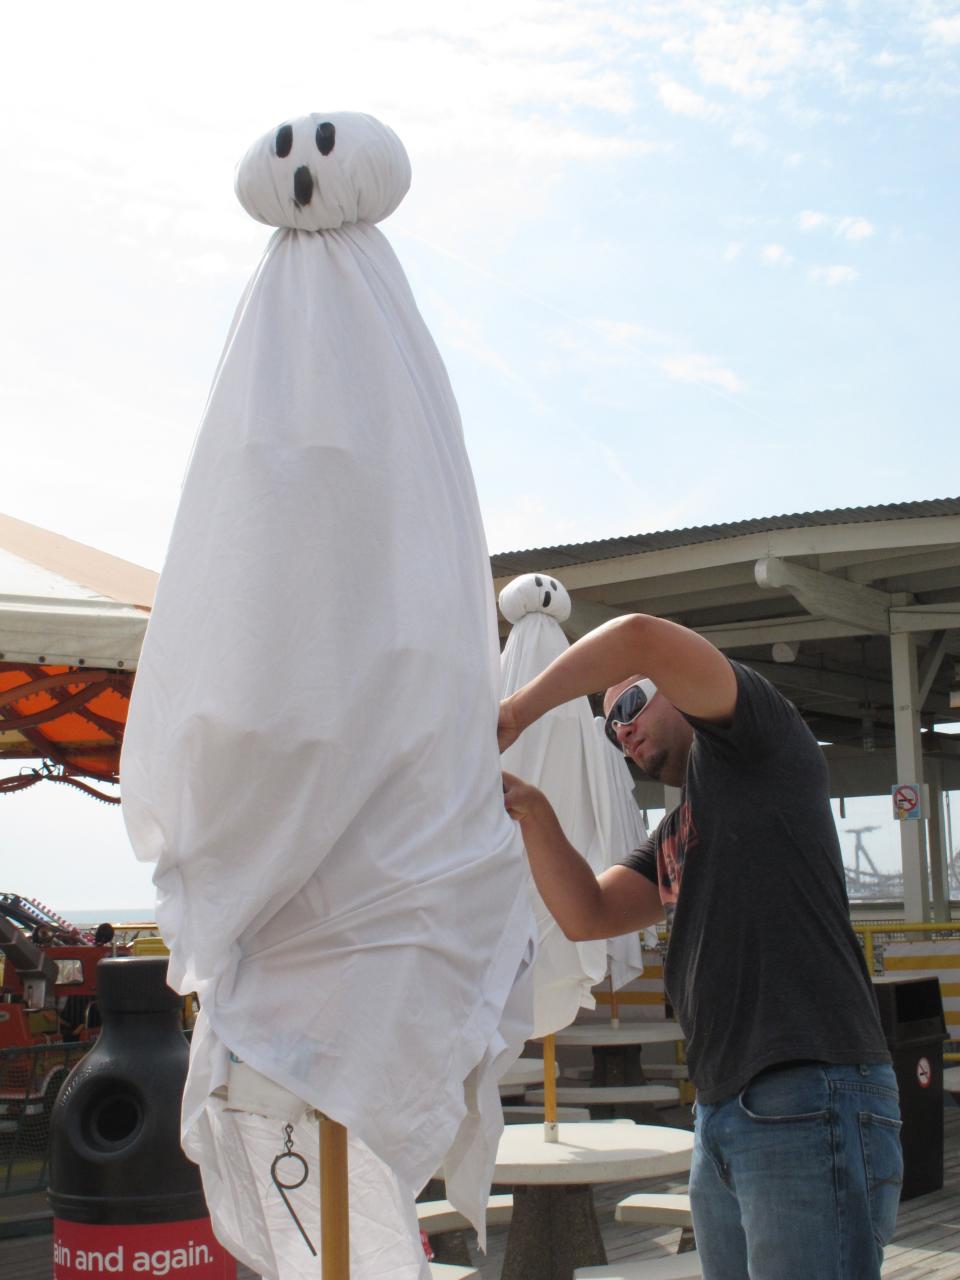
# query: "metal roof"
511,562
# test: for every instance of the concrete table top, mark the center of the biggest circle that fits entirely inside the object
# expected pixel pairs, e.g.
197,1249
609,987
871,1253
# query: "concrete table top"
602,1033
610,1094
590,1152
523,1072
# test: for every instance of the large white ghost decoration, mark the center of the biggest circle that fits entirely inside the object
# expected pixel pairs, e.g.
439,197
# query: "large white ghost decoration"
311,757
589,787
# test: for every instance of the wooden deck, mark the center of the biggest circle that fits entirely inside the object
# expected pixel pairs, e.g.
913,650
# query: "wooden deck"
926,1245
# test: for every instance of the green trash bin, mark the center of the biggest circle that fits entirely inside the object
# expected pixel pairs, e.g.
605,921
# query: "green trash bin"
911,1012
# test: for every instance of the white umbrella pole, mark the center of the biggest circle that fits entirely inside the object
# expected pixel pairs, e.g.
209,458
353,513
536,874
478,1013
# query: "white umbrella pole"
550,1132
614,1006
334,1201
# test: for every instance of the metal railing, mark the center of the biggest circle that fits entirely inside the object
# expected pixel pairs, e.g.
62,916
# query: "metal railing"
898,931
30,1079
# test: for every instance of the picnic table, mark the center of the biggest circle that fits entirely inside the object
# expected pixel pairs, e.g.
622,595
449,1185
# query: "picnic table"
554,1226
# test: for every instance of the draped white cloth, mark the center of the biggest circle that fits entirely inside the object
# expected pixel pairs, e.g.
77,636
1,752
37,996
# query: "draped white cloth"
587,784
310,758
621,822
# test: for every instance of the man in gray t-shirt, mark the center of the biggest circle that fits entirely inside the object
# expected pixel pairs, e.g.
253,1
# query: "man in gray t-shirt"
797,1165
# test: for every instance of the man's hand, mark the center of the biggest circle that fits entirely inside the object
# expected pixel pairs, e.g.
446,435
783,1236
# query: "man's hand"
520,799
584,906
508,729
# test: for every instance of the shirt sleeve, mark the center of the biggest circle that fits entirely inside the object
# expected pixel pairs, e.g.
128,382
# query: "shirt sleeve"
643,859
763,719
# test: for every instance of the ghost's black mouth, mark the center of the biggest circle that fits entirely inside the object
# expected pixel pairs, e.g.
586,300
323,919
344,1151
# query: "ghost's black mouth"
302,186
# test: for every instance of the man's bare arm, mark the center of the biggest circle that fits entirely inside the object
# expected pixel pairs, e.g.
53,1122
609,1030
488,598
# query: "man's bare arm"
584,905
689,671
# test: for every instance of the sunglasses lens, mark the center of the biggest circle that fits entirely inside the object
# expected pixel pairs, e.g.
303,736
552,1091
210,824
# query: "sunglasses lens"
626,708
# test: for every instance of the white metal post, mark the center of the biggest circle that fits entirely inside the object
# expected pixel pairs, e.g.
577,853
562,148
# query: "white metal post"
938,860
906,725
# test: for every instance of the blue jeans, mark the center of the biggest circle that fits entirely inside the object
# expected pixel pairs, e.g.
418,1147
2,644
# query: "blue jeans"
798,1177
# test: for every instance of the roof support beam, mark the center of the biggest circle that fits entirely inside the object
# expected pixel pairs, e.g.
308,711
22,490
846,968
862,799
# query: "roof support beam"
886,566
767,631
824,595
853,690
930,665
923,617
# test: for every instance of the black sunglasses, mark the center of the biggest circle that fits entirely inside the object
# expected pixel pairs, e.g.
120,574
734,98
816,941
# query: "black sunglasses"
631,703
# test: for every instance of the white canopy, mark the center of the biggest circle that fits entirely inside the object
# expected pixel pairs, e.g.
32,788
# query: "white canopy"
64,603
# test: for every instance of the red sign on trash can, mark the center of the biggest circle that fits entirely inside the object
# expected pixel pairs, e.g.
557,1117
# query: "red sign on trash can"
178,1250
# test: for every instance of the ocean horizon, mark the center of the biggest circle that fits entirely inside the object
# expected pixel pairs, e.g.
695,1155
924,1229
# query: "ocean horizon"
115,915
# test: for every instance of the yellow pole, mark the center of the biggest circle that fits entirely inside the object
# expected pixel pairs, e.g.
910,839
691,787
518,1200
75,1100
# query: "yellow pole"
869,956
550,1089
614,1006
334,1201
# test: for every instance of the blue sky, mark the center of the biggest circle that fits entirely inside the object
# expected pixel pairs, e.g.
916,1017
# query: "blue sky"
686,261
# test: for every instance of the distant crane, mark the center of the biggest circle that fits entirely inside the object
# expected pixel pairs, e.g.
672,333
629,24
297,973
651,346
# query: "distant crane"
864,879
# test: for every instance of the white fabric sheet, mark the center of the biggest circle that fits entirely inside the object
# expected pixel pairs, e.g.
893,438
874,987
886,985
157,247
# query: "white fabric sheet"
310,757
623,830
589,789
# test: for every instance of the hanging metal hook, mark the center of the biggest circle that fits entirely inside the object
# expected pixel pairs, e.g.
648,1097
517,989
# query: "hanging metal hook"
288,1153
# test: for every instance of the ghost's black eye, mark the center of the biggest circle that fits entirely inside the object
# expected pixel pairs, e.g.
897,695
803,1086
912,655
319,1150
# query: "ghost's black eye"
284,140
326,137
553,584
538,581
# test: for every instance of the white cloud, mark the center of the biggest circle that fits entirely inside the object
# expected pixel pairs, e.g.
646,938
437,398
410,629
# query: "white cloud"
212,265
626,333
834,275
732,251
809,220
747,52
526,523
684,102
853,228
628,345
775,255
847,227
749,138
703,369
886,59
947,29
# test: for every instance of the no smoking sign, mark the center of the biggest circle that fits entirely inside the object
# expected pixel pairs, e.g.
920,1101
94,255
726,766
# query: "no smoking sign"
923,1073
906,802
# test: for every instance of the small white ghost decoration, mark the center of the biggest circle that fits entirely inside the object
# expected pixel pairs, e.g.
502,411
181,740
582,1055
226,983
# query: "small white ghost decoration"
534,593
320,171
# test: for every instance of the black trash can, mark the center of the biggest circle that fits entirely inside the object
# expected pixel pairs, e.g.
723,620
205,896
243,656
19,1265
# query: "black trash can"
126,1201
911,1012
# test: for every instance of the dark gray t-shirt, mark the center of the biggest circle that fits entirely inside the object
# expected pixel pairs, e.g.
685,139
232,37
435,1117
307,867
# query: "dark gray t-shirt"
762,965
